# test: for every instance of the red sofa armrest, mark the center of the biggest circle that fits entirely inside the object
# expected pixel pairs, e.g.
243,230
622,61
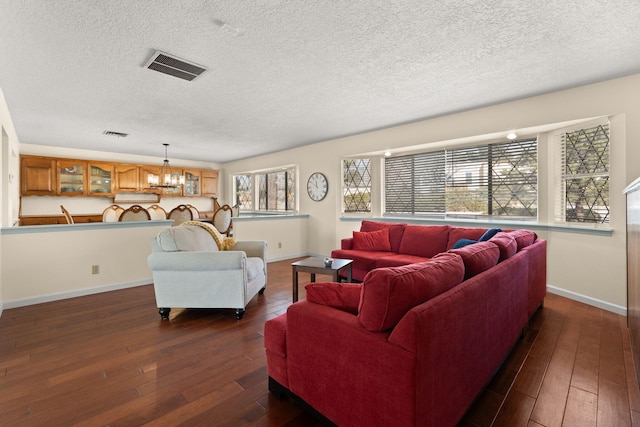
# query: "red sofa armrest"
329,354
346,243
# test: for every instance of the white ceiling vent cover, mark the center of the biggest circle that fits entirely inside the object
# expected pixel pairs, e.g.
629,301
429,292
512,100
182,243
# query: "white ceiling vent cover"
173,66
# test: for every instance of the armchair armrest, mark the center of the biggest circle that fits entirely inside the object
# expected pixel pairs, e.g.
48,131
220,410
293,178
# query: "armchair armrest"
196,261
253,248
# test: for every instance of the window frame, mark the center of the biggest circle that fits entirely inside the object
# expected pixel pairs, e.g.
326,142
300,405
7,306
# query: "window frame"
290,196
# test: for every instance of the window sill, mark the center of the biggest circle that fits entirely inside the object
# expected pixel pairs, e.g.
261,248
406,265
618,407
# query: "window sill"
479,223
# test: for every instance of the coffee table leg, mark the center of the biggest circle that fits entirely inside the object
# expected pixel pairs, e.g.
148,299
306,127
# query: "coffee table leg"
349,274
295,284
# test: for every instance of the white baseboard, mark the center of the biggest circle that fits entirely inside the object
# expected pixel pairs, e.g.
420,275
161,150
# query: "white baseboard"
71,294
618,309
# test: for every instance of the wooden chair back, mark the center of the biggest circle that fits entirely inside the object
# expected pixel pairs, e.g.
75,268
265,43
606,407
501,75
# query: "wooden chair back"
222,219
112,213
195,213
157,212
134,213
180,214
67,215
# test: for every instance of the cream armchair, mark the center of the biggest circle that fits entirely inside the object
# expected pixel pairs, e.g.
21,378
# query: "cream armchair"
190,271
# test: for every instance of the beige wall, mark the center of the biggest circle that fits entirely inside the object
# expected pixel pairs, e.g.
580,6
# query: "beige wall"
46,265
587,267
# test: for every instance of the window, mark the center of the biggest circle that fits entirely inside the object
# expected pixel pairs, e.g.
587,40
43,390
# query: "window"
356,185
244,192
495,180
272,191
585,175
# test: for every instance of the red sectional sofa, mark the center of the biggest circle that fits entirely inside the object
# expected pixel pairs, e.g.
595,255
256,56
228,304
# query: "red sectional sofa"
414,344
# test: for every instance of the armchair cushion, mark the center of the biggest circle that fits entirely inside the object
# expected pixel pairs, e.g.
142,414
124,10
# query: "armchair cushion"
224,243
185,239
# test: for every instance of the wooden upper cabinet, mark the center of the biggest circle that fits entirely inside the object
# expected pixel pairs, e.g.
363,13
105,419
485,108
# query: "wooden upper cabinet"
38,176
191,182
49,176
144,171
210,183
72,177
100,178
127,177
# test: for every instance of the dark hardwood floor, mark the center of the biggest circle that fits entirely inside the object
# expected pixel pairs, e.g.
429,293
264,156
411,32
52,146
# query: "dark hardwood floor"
108,359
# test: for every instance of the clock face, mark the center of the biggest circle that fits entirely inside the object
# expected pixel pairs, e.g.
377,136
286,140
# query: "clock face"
317,186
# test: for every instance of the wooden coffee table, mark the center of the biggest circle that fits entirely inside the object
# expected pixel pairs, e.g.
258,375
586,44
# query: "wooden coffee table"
315,265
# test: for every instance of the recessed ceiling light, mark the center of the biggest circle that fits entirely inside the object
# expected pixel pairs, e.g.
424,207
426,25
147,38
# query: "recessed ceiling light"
387,153
512,135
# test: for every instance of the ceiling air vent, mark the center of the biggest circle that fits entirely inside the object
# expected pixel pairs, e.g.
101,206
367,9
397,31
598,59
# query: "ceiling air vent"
176,67
113,133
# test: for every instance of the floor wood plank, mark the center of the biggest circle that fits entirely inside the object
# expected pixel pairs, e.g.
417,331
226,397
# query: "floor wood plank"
109,359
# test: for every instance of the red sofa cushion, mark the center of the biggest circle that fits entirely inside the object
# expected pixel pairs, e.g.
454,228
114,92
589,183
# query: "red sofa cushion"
396,230
478,257
343,296
523,238
506,243
426,241
457,233
372,240
361,259
388,293
396,260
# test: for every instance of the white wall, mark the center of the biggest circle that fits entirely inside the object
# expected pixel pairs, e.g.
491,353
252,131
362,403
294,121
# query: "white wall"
587,267
9,164
46,263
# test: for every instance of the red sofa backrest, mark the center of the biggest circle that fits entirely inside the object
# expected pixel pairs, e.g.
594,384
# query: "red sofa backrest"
388,293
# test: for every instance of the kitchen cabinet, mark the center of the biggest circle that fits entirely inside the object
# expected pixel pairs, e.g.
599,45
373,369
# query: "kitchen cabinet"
100,179
209,183
191,182
37,176
72,177
50,176
127,178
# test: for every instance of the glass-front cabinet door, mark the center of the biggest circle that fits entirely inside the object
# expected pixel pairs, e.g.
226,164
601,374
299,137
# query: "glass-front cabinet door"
100,179
71,177
191,183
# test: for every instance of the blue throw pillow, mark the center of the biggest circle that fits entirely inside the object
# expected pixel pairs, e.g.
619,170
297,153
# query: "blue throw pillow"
489,234
462,243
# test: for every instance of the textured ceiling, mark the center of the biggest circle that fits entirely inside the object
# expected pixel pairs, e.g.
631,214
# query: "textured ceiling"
284,73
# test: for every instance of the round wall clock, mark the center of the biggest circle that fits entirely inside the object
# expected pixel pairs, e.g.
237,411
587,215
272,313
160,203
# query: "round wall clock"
317,186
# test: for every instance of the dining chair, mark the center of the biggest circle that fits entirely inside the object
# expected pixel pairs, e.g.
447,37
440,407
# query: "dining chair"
157,212
134,213
180,214
67,215
195,214
112,213
222,219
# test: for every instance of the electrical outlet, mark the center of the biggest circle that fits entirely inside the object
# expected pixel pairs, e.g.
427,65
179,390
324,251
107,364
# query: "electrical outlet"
95,269
279,245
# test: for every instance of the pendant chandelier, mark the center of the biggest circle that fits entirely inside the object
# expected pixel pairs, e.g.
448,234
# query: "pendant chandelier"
167,178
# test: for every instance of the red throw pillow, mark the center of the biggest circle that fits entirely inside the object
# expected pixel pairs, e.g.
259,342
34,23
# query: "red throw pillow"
396,230
372,240
343,296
